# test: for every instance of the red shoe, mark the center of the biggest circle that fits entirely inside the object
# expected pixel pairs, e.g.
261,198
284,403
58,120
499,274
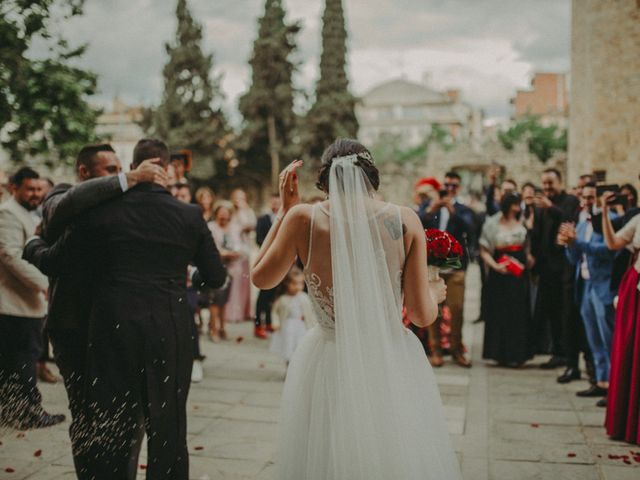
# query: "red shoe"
260,332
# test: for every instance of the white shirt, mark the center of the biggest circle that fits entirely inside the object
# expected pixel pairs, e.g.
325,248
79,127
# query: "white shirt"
444,218
584,266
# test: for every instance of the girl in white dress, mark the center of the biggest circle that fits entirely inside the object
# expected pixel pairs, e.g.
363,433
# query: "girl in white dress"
360,401
291,314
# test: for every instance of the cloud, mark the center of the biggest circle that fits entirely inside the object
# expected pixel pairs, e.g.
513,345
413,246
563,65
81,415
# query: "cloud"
486,48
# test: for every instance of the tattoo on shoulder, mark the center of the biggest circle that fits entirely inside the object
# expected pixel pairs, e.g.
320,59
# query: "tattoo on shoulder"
394,226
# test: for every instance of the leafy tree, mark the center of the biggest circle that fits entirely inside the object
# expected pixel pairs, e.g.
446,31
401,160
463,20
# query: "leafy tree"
190,114
44,111
269,121
543,142
333,113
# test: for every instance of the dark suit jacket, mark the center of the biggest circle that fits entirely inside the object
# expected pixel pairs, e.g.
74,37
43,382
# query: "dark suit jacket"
550,256
461,225
262,228
69,288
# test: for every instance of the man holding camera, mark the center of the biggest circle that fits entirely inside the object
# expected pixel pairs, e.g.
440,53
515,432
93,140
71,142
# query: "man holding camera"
587,251
454,217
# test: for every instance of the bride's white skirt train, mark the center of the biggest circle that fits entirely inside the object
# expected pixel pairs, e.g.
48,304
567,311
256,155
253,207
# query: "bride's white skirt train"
307,450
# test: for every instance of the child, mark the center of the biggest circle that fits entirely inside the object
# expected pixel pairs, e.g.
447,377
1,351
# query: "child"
291,315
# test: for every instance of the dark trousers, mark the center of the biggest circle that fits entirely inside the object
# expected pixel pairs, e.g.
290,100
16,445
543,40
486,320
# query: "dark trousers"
263,307
192,301
549,313
20,348
139,373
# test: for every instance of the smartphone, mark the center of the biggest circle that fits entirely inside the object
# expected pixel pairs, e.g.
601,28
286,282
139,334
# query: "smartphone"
443,193
600,189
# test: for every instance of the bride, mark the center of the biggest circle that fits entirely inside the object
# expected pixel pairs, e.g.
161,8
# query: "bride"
360,401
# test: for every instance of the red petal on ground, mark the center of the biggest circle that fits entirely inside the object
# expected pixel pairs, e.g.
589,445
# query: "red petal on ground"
636,458
9,470
535,425
571,454
37,453
199,448
143,467
239,339
614,457
261,365
627,461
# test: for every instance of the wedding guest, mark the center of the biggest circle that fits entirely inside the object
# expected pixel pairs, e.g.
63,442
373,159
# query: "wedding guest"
425,191
244,219
531,219
183,193
206,199
623,400
181,162
556,312
265,297
587,250
292,315
624,257
227,238
507,334
449,214
22,309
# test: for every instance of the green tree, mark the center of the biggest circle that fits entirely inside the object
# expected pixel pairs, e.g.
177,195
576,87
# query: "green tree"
543,142
333,113
190,114
44,112
269,121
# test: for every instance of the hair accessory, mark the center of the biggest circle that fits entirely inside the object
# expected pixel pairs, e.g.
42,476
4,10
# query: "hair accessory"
353,158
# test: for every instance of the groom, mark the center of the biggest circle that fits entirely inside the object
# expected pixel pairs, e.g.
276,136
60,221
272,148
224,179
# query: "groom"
140,353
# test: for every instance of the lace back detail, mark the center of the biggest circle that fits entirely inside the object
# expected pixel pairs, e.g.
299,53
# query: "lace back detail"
318,274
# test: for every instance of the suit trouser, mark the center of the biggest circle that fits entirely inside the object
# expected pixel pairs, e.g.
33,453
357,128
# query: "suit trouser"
598,319
20,348
573,334
455,301
140,377
263,307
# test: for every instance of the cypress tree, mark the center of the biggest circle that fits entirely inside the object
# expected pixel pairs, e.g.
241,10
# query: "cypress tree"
190,115
333,113
269,123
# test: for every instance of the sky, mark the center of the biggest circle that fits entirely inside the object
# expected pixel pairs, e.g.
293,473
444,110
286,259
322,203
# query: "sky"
486,48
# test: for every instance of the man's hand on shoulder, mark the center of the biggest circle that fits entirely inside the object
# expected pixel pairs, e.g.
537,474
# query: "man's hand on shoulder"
148,171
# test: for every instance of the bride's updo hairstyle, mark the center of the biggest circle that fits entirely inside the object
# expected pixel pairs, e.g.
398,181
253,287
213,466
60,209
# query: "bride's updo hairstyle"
341,148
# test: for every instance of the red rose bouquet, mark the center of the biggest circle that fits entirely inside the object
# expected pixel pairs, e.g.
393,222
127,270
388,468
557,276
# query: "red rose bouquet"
443,251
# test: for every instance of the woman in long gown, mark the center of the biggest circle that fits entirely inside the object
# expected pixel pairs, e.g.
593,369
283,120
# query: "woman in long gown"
507,328
623,400
360,402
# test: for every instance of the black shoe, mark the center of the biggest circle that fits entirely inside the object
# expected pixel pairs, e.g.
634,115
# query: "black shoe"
592,391
553,362
602,402
44,420
571,373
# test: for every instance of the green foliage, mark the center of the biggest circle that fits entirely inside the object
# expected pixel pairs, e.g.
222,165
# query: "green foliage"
190,114
333,113
543,142
390,147
271,92
44,111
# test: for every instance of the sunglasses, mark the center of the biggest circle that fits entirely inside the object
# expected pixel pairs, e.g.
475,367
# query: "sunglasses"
452,185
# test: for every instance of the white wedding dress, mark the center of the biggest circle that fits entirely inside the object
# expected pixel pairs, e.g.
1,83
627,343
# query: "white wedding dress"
360,400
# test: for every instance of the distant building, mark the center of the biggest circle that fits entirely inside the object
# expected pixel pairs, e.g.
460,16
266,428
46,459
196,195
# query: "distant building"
120,126
407,110
546,99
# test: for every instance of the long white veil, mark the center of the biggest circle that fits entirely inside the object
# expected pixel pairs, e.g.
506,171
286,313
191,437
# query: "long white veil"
382,388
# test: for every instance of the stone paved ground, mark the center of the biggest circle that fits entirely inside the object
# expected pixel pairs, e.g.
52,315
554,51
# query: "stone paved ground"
505,424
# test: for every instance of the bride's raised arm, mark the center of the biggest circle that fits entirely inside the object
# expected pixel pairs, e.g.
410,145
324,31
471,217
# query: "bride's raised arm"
421,297
286,236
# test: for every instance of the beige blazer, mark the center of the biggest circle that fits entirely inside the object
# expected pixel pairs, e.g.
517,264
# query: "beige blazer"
21,284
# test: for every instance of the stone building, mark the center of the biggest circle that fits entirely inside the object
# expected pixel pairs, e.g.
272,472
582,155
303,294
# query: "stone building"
547,99
604,132
407,110
119,126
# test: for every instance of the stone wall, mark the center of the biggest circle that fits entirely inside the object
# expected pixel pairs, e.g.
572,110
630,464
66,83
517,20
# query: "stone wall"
604,132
